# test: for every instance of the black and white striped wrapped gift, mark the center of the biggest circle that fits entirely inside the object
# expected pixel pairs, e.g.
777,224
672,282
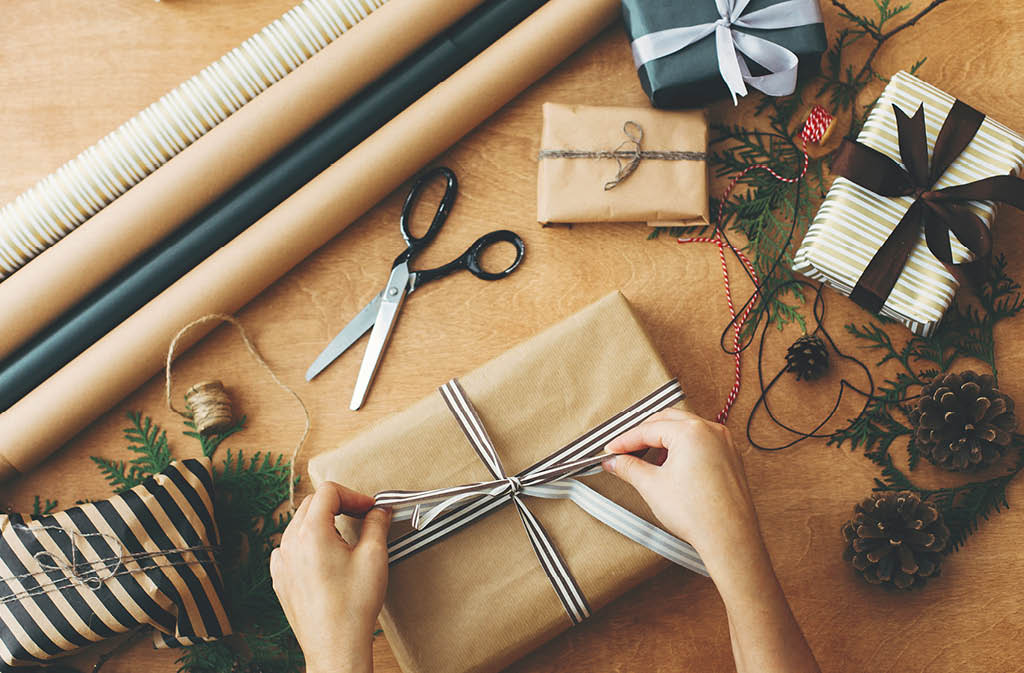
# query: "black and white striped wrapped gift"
145,557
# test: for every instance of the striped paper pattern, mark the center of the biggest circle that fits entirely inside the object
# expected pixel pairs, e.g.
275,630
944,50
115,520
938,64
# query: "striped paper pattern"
853,222
77,190
143,557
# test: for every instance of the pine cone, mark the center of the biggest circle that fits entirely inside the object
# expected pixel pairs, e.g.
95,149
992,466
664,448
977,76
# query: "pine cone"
895,538
808,357
962,421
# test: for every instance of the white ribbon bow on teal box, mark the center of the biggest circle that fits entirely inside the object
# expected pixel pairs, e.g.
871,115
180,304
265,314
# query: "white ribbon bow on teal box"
780,62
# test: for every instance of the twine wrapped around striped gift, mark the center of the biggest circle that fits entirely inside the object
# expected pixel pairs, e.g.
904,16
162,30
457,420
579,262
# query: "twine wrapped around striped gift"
854,222
141,558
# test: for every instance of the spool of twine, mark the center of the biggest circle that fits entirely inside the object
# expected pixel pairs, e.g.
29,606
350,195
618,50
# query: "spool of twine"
211,407
819,131
208,403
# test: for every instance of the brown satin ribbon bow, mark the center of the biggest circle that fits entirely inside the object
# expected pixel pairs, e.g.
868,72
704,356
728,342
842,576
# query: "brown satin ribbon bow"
937,210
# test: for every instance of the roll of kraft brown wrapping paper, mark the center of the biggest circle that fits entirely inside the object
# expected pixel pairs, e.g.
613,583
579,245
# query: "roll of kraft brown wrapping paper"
65,273
124,359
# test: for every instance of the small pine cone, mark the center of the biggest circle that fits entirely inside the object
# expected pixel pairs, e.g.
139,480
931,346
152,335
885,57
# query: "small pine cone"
962,421
808,357
895,538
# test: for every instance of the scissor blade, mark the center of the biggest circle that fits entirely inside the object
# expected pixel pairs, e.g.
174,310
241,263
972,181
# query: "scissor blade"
356,328
390,304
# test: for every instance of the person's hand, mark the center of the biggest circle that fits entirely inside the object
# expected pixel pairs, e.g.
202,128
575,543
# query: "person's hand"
692,479
331,592
695,484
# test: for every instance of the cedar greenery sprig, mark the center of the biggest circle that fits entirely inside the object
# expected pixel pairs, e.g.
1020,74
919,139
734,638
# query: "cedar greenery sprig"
42,507
967,331
149,442
765,212
209,443
249,489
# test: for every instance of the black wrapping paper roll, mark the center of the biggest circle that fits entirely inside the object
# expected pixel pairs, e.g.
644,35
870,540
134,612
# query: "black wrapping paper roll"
232,213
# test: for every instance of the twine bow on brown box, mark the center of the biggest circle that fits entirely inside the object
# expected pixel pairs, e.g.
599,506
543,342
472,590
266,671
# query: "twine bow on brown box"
938,211
630,148
661,157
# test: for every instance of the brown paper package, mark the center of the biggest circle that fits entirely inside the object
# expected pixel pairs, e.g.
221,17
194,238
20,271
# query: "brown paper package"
479,600
659,192
136,349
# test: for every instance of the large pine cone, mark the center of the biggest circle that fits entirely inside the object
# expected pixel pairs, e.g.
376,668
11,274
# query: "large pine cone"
895,538
962,421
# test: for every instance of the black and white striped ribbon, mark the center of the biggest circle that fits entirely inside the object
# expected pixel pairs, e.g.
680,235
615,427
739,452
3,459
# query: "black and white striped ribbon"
449,509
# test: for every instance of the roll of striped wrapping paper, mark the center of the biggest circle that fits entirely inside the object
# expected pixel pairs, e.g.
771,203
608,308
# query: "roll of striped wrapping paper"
145,557
57,204
853,222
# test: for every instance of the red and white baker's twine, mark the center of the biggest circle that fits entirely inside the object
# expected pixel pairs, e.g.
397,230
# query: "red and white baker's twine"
814,130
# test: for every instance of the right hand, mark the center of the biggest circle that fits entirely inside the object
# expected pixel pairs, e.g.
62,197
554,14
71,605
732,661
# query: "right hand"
693,480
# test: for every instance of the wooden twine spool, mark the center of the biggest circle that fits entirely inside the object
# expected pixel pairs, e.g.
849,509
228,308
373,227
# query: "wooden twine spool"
208,403
211,407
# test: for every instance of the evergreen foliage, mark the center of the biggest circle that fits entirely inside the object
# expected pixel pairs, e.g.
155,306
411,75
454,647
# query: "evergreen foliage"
965,332
769,213
248,492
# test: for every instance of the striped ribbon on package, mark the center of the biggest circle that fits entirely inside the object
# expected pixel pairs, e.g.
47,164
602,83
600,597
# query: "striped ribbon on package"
553,477
143,557
853,222
57,204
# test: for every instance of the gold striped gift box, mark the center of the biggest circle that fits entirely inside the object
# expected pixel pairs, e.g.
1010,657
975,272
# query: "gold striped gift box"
853,222
143,557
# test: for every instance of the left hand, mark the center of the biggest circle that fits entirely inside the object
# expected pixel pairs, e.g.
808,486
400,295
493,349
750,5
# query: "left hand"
331,592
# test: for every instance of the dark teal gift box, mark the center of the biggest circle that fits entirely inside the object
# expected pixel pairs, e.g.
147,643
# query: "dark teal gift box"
691,76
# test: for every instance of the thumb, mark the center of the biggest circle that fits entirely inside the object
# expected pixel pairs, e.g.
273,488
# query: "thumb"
375,529
632,470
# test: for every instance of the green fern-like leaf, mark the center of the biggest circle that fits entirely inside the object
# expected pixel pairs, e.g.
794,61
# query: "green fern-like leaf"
150,442
42,507
210,443
212,657
119,474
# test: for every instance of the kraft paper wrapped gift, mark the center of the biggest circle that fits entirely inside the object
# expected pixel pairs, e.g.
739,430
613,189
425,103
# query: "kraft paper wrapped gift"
479,599
854,221
585,158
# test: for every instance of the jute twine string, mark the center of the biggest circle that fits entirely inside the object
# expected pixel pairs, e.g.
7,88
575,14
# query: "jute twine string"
634,136
206,395
80,571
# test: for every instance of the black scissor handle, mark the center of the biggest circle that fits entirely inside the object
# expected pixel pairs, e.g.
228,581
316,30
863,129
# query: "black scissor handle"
470,260
451,190
472,255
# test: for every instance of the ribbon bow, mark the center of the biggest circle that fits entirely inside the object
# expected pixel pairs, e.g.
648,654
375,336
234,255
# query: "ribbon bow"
552,477
780,62
938,211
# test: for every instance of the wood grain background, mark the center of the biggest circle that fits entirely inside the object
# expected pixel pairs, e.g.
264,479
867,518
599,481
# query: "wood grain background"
71,72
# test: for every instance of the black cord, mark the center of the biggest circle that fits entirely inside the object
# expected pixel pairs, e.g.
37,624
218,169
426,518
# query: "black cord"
758,295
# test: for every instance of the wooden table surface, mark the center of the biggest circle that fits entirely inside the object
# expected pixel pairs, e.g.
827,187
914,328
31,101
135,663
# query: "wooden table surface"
70,72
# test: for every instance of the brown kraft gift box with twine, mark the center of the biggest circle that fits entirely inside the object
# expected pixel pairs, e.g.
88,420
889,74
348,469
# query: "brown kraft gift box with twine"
622,164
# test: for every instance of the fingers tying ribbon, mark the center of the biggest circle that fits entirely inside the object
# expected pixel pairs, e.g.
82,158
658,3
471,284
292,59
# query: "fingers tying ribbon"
553,477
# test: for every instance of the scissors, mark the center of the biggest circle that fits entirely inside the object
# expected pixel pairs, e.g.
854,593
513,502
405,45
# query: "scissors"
382,311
